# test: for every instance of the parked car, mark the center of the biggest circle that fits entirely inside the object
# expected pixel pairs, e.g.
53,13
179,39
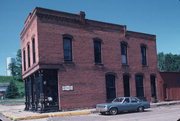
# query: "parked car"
122,104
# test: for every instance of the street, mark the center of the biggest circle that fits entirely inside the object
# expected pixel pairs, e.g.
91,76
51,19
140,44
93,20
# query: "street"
163,113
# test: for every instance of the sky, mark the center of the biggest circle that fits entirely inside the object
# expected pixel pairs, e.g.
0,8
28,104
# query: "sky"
159,17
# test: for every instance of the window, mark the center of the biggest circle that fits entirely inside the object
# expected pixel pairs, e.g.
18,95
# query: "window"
28,49
153,86
124,53
126,100
110,87
33,50
139,86
134,100
126,85
67,44
97,51
143,55
24,59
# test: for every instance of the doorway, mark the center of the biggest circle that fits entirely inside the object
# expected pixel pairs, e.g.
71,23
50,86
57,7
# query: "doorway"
110,87
126,85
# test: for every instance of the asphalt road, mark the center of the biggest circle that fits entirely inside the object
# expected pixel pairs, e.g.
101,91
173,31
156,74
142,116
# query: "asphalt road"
164,113
2,118
167,113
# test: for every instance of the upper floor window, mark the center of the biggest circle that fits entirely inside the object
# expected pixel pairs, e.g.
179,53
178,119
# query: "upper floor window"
124,53
33,50
28,49
97,51
67,46
24,59
143,55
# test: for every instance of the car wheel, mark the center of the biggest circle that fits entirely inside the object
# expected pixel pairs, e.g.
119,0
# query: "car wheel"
102,113
113,111
141,109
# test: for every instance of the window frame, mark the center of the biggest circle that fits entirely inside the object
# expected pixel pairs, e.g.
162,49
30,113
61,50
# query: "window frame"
143,55
29,55
24,59
70,58
139,86
124,45
97,51
34,50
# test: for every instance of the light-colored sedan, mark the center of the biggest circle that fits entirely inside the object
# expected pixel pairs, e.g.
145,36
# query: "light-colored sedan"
122,104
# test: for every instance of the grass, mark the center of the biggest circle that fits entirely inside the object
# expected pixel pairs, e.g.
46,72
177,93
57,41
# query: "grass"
12,101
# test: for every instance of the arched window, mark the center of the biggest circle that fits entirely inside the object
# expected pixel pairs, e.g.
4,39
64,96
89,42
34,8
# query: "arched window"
24,59
153,85
33,50
124,53
139,85
29,60
67,46
97,51
110,87
143,54
126,85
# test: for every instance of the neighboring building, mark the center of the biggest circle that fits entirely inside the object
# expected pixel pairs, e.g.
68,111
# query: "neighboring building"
169,85
72,62
3,88
9,61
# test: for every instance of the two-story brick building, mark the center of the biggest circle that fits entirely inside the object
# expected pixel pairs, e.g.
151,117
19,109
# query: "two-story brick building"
72,62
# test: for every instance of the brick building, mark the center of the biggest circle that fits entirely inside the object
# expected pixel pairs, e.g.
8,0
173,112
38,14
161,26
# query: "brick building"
72,62
169,85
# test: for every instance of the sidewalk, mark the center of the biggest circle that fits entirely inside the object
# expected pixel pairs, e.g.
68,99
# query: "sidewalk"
18,113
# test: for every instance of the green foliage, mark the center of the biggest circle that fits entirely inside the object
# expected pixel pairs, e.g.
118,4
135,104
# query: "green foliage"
5,79
12,90
20,85
168,62
16,67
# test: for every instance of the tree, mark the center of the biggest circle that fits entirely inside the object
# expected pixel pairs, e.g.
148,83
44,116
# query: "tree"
12,90
168,62
16,67
161,61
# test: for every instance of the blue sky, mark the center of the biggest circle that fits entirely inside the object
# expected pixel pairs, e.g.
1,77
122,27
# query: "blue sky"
159,17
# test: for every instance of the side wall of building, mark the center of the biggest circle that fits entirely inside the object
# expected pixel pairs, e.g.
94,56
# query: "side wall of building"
29,32
170,85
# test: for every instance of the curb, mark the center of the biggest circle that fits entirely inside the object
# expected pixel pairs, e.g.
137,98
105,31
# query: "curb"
48,115
164,104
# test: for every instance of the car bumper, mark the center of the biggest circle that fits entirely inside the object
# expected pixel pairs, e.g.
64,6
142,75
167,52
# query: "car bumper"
101,109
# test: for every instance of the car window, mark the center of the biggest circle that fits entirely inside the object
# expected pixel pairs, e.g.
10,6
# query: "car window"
126,100
118,100
134,100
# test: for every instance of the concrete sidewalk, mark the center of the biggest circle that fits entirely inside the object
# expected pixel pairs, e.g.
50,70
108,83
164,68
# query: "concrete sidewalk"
18,113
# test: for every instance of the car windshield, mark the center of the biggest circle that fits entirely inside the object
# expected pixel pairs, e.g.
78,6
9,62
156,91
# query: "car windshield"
118,100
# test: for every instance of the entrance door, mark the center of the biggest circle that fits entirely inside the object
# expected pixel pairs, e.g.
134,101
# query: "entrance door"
126,85
50,81
153,86
110,87
139,86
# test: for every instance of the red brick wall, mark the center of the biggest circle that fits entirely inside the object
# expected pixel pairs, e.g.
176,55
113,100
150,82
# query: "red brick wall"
87,78
29,32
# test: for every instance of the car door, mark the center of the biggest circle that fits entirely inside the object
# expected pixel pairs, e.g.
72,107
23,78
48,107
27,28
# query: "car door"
134,104
125,105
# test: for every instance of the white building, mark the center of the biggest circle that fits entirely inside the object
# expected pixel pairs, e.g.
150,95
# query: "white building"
9,60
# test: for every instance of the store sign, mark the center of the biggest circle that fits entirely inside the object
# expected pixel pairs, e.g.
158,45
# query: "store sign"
67,88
